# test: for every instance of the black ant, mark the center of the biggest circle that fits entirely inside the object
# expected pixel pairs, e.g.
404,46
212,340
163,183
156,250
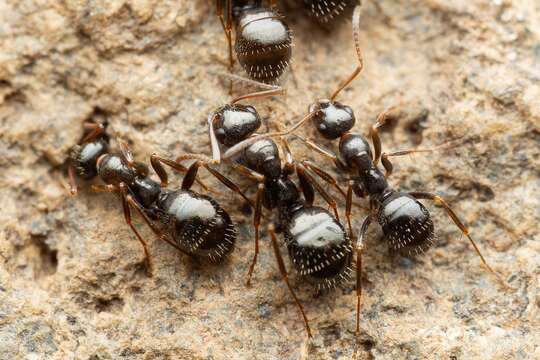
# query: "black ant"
317,243
405,222
193,223
263,40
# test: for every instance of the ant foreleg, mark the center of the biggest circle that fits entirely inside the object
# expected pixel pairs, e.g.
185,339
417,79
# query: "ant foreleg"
127,216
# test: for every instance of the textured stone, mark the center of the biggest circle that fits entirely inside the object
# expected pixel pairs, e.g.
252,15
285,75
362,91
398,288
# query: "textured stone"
72,280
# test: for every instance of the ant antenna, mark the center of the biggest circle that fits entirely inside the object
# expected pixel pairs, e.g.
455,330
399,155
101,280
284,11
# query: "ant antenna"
360,67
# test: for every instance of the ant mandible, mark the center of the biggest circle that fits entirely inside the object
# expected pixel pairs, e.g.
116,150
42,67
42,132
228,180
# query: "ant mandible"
193,223
263,40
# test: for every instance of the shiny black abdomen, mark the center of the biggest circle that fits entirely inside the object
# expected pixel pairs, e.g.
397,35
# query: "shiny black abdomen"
85,157
263,44
406,224
319,246
327,12
199,225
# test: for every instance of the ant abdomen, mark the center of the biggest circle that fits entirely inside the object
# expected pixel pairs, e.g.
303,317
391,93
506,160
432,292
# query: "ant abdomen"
85,156
406,223
263,44
200,226
332,119
319,246
326,12
234,123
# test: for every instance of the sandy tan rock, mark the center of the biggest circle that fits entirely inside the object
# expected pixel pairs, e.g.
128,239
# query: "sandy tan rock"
72,280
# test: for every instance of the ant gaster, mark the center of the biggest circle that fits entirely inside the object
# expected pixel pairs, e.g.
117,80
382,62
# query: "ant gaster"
191,222
318,245
327,12
405,222
263,40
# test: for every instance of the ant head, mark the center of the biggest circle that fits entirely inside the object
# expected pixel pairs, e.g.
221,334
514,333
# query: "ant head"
332,119
234,123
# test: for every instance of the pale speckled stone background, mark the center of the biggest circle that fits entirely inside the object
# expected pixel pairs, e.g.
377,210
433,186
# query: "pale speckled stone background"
72,284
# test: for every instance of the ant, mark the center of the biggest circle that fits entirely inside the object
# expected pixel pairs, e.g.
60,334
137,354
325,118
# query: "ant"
319,246
405,221
193,223
263,40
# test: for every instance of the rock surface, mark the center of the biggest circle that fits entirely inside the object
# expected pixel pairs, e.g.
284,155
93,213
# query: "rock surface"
72,281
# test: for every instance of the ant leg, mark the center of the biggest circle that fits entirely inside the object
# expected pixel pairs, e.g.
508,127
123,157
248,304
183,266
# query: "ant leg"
191,175
253,175
374,133
307,188
440,201
288,167
125,152
359,251
324,152
156,160
388,165
160,235
348,208
127,216
95,130
301,171
73,188
323,175
285,276
256,225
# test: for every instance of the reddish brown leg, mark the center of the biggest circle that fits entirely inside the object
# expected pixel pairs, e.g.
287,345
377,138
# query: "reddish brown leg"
388,165
156,160
127,216
285,276
95,130
159,234
256,225
440,201
191,174
301,171
324,175
359,251
348,208
73,188
324,152
377,147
